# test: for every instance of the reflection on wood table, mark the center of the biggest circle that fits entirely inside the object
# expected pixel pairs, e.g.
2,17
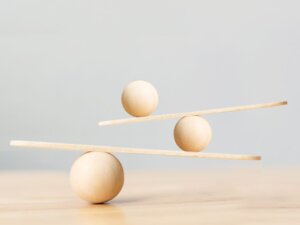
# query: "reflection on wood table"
227,196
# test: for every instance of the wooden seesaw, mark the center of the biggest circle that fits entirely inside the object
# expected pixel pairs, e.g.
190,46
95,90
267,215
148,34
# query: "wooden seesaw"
110,149
194,113
98,176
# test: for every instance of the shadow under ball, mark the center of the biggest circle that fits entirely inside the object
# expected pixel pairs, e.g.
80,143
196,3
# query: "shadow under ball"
97,177
192,133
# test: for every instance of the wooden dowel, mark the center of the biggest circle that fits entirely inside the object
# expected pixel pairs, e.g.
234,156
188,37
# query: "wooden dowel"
95,148
195,113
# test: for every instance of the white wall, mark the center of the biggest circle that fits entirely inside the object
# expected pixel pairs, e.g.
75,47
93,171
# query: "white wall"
63,65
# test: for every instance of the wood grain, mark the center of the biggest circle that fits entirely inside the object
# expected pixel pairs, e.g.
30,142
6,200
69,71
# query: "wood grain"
224,196
195,113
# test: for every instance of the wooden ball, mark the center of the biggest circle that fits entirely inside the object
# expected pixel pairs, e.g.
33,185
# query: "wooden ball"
192,133
97,177
140,98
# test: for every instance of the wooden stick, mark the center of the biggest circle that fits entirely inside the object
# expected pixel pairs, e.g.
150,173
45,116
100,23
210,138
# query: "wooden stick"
196,113
95,148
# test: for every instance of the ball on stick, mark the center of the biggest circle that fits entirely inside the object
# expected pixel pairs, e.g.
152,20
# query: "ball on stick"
192,133
97,177
140,98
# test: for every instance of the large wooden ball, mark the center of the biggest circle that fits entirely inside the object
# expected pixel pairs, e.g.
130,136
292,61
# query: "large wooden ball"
140,98
192,133
97,177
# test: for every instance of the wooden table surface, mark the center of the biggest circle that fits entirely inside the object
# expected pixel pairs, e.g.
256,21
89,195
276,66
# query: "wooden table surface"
227,196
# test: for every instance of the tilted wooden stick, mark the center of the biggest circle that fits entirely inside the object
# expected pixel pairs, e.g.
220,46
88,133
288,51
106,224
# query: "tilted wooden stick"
95,148
195,113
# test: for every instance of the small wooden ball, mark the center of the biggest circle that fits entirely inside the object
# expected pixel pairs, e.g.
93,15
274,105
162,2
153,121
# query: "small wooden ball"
140,98
97,177
192,133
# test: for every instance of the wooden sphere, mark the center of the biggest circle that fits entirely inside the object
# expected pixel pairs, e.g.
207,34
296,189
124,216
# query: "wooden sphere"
97,177
192,133
140,98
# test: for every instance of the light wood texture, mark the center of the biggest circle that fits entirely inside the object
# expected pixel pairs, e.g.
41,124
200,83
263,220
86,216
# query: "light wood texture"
110,149
225,196
192,133
97,177
196,113
140,98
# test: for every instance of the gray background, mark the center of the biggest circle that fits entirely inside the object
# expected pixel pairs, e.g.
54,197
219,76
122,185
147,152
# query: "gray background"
63,65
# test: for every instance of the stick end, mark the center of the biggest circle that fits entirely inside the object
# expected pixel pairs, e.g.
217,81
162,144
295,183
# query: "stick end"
104,123
258,157
14,143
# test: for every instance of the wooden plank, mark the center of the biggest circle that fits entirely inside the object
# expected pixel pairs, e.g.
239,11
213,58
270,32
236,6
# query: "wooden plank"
224,196
111,149
195,113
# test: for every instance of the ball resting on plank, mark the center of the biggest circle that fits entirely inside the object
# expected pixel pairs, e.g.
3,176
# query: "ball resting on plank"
192,133
139,98
194,113
97,176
